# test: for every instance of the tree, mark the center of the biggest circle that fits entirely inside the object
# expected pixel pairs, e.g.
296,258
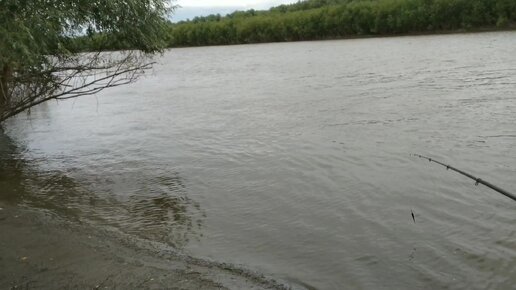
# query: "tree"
42,44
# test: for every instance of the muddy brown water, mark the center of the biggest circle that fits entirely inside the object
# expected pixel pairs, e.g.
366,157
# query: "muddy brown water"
292,160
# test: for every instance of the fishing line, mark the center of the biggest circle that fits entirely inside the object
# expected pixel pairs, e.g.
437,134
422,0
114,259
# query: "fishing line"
477,180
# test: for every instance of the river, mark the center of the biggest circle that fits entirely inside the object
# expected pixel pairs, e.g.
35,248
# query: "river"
293,160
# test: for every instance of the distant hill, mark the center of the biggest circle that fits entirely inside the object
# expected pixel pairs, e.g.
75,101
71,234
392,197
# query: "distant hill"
329,19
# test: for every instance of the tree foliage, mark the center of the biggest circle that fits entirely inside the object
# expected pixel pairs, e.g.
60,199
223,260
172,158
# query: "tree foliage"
39,58
326,19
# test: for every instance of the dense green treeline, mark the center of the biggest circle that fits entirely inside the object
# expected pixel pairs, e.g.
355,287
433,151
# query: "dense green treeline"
326,19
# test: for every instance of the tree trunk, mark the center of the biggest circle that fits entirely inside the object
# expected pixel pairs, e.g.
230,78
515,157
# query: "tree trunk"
5,76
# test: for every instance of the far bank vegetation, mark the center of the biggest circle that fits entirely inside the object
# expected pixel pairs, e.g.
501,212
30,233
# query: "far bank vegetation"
333,19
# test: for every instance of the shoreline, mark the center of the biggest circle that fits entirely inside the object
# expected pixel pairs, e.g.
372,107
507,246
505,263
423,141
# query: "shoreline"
509,28
41,251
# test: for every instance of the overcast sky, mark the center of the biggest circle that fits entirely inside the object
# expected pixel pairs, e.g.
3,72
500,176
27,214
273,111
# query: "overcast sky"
192,8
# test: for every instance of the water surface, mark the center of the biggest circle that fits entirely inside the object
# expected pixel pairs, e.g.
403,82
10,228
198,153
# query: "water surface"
293,159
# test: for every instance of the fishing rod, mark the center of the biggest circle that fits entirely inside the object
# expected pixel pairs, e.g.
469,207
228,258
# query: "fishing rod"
477,180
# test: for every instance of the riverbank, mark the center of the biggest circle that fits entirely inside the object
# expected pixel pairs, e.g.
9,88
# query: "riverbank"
488,29
341,19
40,251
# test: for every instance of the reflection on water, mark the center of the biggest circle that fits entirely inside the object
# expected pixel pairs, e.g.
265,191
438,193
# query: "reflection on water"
10,169
158,208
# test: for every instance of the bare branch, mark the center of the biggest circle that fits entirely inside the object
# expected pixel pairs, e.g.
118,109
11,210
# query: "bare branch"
71,77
